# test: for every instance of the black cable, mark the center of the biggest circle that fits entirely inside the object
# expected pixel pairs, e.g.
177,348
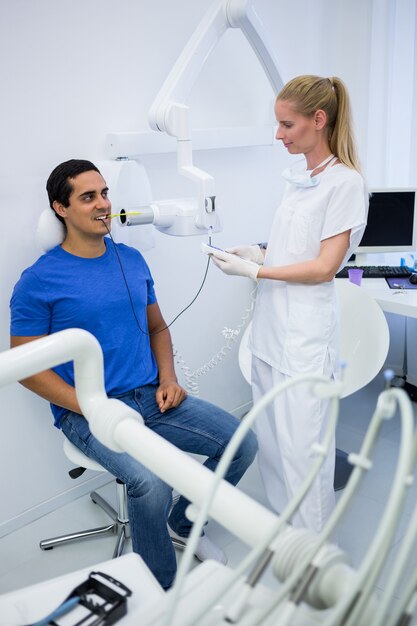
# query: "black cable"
130,295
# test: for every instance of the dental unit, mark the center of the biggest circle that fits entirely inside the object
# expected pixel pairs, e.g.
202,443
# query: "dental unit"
317,586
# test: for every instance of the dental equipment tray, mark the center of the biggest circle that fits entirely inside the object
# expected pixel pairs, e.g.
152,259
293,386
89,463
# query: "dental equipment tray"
99,601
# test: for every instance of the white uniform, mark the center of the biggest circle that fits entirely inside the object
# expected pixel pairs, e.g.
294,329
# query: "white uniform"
294,331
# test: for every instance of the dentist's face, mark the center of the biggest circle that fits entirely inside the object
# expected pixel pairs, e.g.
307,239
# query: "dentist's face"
297,132
88,203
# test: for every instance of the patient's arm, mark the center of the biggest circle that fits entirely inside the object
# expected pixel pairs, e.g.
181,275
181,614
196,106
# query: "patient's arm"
48,384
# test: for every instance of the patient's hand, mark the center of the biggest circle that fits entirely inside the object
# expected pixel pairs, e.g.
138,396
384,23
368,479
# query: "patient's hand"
169,395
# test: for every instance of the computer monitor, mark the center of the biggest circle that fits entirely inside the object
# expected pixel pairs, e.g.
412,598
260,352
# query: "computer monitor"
392,222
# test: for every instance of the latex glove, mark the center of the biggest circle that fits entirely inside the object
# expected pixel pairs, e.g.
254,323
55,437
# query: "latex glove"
249,253
233,265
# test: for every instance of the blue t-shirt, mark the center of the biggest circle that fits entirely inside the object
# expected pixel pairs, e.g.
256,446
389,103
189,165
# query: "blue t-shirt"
63,291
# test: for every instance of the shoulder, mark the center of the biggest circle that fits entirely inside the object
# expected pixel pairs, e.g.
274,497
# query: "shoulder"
128,252
345,185
41,265
124,248
340,174
347,196
130,257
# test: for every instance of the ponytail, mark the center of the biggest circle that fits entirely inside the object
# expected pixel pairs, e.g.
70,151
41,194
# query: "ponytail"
310,93
341,137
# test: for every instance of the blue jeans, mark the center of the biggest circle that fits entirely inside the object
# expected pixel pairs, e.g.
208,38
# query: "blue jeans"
194,426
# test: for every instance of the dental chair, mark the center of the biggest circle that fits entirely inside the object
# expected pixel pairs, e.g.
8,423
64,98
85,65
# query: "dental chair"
364,343
120,519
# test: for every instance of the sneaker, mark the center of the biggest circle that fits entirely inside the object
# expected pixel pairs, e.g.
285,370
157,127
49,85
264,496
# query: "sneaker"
205,549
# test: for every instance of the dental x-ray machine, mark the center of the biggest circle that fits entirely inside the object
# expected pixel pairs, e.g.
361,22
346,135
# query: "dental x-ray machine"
169,114
132,200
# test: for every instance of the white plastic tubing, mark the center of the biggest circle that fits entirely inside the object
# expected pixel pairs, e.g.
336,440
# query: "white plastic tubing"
118,427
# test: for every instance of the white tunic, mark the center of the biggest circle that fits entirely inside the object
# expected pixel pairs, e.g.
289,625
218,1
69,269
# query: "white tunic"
295,331
295,324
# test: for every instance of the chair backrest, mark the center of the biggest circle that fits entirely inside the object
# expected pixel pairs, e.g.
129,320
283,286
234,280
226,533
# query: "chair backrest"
49,232
364,337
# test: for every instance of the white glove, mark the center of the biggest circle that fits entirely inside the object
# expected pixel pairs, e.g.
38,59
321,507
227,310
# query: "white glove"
233,265
249,253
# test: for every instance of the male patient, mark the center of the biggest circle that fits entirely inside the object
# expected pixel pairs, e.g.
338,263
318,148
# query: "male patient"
80,284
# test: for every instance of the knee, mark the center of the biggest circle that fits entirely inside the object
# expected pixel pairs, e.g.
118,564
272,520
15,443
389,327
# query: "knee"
249,448
150,488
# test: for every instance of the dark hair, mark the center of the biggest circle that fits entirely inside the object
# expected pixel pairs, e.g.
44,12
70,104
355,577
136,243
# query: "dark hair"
59,185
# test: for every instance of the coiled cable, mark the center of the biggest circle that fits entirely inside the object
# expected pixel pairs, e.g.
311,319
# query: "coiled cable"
231,336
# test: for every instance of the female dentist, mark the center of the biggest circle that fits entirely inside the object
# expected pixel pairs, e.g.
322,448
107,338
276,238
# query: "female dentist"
318,225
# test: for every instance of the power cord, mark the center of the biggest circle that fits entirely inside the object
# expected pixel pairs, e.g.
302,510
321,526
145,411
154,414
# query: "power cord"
144,332
231,335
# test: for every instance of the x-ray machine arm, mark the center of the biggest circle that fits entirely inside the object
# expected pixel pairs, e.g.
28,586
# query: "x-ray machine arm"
170,114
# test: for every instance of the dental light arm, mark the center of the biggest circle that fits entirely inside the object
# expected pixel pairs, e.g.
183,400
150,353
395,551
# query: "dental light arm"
322,388
120,428
104,414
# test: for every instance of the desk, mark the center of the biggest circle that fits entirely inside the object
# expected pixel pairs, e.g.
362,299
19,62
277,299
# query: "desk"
399,301
30,604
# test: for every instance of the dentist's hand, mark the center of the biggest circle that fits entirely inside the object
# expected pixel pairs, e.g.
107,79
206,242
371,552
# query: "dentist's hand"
234,266
249,253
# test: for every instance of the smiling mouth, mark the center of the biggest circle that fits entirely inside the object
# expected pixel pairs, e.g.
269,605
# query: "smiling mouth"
101,218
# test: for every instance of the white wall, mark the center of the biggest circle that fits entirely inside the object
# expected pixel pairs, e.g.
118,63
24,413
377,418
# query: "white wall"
76,71
73,72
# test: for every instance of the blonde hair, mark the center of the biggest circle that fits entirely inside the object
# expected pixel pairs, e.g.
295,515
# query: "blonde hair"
308,94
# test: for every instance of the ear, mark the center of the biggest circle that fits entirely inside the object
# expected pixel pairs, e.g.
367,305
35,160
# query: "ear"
59,209
320,119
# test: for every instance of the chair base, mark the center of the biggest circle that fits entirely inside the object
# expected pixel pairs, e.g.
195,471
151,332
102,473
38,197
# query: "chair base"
119,527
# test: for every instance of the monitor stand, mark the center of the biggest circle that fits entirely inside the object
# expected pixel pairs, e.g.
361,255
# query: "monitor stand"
361,259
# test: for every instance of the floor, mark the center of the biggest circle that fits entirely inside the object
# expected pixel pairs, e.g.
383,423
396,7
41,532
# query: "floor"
23,563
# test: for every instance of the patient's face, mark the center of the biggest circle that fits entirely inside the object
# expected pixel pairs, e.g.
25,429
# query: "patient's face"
88,204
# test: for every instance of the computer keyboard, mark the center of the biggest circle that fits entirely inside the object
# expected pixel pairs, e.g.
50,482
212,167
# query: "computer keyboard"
377,271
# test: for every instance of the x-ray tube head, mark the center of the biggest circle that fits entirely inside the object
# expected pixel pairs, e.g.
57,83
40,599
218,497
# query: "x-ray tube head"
136,216
176,217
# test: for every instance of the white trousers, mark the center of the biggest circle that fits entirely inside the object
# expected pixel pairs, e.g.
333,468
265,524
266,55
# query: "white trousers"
286,430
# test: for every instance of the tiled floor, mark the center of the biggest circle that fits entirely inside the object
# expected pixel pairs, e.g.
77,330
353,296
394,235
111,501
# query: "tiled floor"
23,563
